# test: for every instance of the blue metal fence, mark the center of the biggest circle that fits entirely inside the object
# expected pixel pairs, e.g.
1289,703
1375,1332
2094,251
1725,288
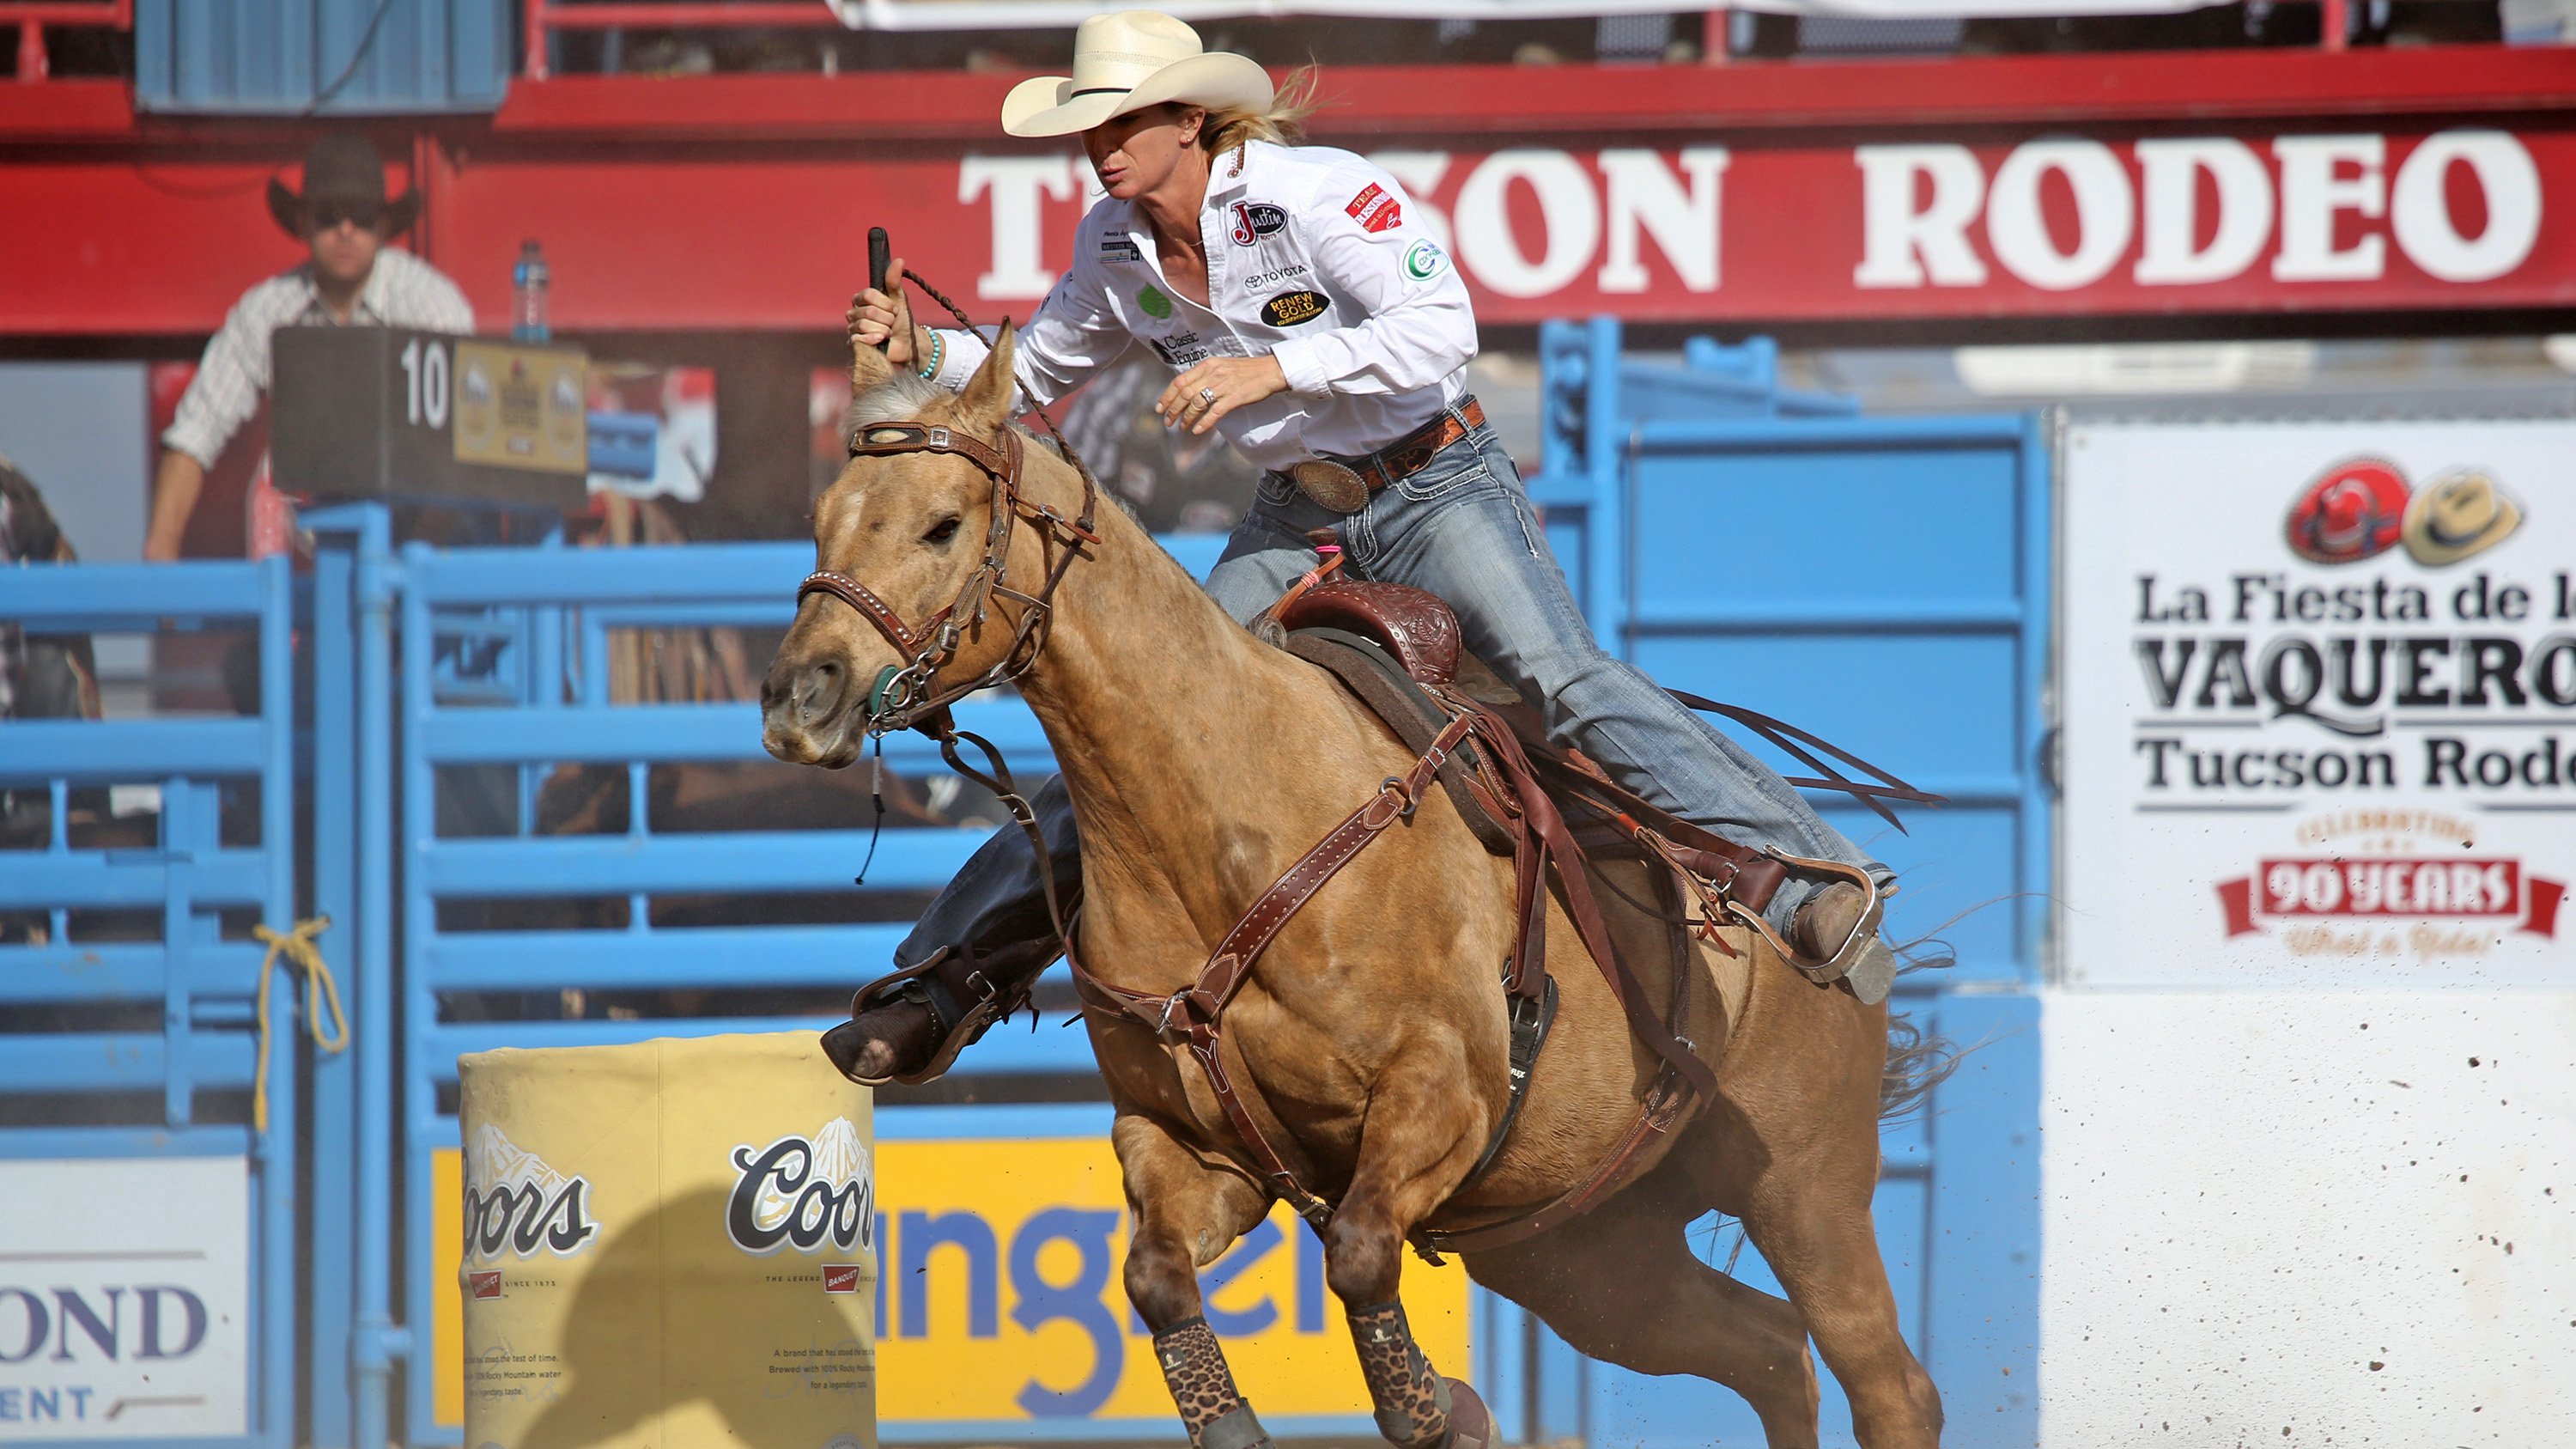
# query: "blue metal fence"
106,937
1884,582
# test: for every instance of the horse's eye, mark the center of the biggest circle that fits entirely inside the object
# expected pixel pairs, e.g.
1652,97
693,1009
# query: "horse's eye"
940,532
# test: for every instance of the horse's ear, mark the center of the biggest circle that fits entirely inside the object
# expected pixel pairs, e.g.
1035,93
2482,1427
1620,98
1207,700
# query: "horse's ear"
986,402
868,367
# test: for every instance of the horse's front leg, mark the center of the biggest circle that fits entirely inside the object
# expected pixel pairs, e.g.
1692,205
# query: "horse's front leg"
1422,1137
1186,1213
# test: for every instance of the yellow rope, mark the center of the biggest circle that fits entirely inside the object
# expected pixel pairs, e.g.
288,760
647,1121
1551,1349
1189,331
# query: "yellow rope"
297,946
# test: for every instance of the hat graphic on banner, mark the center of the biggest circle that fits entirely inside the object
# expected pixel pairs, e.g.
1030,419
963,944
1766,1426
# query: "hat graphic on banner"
2456,515
2349,514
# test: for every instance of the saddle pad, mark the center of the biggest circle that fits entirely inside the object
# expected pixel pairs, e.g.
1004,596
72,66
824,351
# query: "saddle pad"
1406,708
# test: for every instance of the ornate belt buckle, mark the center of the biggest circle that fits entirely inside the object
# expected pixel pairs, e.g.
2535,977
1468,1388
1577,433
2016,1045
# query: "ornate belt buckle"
1330,485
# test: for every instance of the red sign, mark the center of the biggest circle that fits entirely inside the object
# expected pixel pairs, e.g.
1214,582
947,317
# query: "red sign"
485,1283
2391,887
842,1277
2325,218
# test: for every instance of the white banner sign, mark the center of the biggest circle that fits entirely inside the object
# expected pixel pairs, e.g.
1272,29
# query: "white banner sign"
2318,690
124,1298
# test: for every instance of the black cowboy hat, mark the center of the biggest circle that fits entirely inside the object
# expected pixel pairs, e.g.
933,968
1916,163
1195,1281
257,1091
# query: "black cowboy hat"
342,168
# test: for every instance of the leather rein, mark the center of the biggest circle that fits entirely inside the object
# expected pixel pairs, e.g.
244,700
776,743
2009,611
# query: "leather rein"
909,696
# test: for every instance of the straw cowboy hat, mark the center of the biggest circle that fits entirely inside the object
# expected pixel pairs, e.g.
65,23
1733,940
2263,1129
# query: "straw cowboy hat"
2458,515
1125,62
344,172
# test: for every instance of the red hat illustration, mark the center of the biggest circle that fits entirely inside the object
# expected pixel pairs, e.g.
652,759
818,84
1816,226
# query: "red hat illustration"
2352,512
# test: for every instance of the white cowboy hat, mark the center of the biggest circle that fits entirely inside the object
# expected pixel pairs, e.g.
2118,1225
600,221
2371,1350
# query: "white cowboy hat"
1125,62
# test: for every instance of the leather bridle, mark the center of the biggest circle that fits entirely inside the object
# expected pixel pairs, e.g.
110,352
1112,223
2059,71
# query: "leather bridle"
909,694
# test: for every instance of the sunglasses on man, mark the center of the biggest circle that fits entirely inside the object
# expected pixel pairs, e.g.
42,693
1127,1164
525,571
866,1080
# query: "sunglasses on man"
327,215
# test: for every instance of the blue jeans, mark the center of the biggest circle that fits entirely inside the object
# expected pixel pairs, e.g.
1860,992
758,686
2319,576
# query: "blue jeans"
1463,528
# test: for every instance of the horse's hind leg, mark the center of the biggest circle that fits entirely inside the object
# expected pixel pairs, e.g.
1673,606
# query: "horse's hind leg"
1186,1213
1818,1238
1621,1284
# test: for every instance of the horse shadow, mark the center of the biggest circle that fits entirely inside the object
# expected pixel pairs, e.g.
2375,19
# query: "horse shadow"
623,1367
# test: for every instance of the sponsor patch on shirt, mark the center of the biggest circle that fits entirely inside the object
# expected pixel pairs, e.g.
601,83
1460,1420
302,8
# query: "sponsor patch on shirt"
1254,220
1375,210
1154,302
1181,349
1120,249
1259,280
1290,308
1424,260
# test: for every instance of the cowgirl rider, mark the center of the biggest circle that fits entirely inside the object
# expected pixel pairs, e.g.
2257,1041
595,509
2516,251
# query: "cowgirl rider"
1306,314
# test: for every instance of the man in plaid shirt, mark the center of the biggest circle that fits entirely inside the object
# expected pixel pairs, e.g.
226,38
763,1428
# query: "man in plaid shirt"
352,279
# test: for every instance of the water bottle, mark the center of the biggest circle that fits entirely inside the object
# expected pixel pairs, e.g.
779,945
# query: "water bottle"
528,316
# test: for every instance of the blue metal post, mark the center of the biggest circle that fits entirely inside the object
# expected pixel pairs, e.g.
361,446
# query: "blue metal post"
1605,529
377,1341
419,785
275,1148
330,1229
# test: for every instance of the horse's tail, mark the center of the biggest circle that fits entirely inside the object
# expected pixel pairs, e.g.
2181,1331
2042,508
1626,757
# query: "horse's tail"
1916,1063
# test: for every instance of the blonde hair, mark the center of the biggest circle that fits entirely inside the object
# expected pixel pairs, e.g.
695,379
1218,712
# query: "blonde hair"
1281,123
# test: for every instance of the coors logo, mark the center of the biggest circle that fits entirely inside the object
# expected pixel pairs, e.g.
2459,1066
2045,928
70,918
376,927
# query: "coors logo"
804,1194
516,1204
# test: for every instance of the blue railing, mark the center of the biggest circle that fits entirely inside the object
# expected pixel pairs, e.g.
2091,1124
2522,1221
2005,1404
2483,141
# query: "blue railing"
100,934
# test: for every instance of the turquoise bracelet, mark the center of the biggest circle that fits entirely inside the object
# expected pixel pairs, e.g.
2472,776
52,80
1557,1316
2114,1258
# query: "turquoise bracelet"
938,356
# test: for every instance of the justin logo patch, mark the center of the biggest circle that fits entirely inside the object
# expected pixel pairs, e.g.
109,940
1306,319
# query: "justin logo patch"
1290,308
1375,210
1254,220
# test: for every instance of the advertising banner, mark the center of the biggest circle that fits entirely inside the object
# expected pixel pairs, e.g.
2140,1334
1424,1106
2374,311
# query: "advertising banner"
2318,698
124,1298
1001,1313
1672,227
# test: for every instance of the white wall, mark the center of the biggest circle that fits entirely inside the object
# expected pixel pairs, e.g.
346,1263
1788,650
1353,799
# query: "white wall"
81,431
2262,1215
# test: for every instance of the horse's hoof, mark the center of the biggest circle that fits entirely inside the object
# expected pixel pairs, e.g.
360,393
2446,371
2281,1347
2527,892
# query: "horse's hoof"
1471,1425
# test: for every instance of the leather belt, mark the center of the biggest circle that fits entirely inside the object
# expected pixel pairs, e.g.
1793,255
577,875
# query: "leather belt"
1347,487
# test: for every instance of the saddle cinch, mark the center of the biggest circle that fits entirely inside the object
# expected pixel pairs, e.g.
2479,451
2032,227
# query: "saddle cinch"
1397,649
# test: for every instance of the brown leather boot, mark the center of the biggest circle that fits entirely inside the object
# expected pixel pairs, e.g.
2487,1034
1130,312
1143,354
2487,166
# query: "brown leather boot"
1825,921
874,1046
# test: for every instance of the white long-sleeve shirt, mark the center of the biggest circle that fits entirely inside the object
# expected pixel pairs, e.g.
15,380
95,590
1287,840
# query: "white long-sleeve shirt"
1315,258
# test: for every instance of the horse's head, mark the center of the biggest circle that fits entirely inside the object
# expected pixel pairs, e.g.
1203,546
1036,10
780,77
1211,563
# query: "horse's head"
908,532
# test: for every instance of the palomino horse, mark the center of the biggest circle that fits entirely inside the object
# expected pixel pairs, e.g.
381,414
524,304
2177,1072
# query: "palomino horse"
1371,1040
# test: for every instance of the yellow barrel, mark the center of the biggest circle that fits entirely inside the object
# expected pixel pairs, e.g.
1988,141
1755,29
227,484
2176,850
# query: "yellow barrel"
668,1245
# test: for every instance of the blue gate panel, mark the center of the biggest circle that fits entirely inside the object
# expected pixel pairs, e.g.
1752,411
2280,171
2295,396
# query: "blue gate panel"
1884,583
221,853
1922,515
